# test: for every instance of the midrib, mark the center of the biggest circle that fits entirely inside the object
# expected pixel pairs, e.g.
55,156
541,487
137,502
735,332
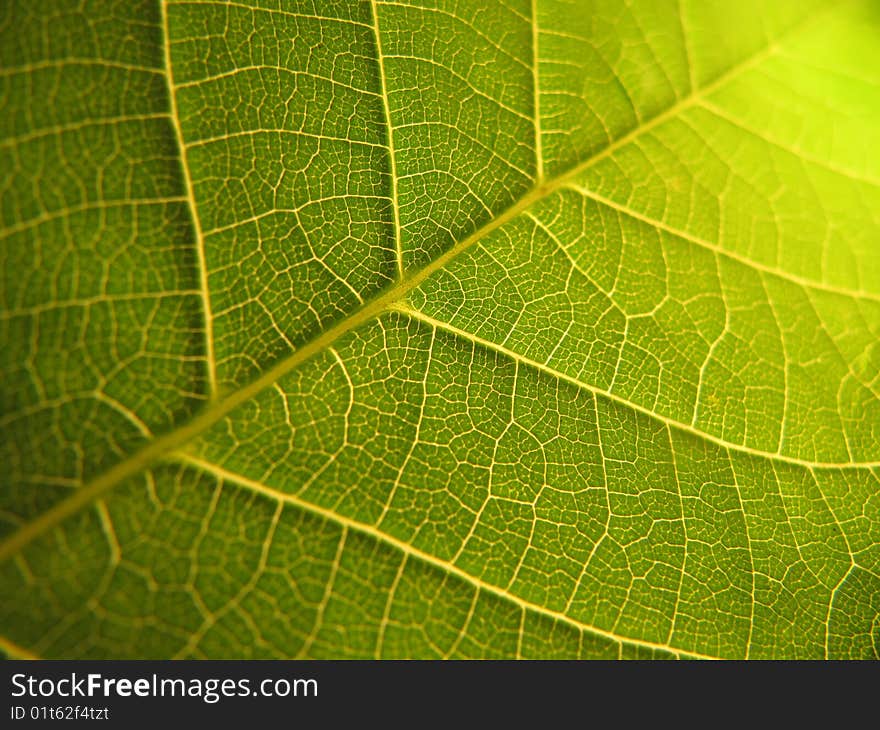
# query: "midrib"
381,303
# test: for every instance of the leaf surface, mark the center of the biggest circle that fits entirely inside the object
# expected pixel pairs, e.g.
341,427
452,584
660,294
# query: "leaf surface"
440,329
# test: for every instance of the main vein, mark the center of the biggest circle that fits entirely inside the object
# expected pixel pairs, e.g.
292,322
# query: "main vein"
217,409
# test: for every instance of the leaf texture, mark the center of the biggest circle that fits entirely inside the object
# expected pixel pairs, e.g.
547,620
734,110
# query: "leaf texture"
534,328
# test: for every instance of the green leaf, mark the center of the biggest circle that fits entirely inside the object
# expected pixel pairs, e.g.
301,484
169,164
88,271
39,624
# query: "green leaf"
440,329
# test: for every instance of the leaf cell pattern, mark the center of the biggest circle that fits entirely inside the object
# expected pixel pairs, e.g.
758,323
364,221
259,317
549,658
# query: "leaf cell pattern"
440,328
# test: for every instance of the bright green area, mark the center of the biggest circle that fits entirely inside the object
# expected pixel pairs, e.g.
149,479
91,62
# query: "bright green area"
619,397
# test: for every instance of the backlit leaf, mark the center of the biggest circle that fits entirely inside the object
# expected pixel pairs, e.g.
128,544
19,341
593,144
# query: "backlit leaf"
440,328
